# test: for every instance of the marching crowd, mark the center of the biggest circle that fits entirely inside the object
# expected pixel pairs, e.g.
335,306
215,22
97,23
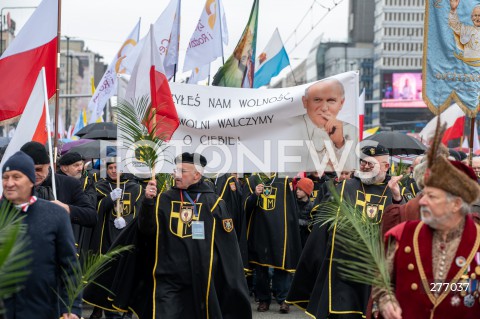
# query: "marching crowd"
203,246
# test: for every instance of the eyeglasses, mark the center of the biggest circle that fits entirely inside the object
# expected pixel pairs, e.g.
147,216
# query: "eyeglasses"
180,171
370,164
367,163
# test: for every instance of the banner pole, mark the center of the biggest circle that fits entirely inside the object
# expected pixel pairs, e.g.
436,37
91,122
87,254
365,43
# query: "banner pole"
470,141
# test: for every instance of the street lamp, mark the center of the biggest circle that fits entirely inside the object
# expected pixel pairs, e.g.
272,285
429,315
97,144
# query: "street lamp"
1,23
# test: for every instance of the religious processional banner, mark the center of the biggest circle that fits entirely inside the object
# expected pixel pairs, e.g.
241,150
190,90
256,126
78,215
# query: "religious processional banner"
451,55
267,130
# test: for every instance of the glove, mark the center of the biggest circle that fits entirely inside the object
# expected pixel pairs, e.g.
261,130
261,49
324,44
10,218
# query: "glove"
119,223
116,194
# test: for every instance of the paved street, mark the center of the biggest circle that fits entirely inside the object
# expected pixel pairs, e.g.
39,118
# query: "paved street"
295,313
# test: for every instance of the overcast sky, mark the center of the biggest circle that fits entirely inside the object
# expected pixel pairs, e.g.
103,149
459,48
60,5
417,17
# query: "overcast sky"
103,24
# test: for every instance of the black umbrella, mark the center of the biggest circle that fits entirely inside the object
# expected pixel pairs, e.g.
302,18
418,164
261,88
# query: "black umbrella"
398,143
96,127
101,135
88,150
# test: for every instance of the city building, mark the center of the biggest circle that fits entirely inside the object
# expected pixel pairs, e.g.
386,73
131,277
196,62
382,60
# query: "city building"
328,58
397,78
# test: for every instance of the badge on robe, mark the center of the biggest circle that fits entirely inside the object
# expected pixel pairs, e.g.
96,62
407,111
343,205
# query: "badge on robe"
186,213
181,218
268,198
371,210
227,224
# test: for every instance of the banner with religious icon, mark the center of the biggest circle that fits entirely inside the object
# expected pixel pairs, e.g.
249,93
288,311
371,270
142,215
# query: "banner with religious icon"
451,55
271,130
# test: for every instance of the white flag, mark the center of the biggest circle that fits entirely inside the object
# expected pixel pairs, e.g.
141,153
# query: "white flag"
164,27
108,84
205,45
171,57
32,125
476,143
199,74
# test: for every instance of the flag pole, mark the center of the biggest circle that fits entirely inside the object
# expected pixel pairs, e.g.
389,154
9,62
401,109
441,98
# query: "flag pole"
209,66
293,73
49,137
221,36
57,95
470,142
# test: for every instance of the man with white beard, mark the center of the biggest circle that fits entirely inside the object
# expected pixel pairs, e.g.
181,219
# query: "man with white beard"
317,286
434,263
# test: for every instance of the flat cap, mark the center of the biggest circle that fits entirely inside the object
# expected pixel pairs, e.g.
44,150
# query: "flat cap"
70,158
191,158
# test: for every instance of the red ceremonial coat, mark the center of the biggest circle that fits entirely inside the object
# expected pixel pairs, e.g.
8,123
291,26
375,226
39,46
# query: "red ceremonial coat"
414,278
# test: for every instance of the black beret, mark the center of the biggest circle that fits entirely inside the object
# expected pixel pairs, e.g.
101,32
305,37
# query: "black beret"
70,158
37,152
191,158
375,150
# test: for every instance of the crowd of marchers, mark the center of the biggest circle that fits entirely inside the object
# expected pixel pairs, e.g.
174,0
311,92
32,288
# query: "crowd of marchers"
204,246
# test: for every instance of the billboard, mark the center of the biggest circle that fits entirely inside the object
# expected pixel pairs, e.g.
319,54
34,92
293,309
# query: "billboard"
402,90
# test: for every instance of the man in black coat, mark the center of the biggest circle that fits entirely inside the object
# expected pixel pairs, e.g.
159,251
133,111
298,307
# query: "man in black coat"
72,164
70,195
51,247
198,273
317,286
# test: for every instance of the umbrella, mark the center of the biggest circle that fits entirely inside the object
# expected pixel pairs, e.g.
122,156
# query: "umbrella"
68,146
108,134
398,143
88,150
95,149
96,127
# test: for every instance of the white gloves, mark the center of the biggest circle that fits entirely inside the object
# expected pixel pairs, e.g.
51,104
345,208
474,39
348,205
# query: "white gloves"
119,222
116,194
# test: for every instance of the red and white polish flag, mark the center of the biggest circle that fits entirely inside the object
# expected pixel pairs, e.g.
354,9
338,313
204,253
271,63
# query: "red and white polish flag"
453,117
149,79
34,47
32,126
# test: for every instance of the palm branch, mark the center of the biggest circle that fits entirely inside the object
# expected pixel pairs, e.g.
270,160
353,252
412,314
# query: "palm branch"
78,276
400,169
164,182
360,240
14,253
139,130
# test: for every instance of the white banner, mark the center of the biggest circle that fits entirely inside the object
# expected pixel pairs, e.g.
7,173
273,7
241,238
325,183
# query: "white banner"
273,130
107,86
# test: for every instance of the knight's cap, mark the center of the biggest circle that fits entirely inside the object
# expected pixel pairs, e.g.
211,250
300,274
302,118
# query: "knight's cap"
378,150
191,158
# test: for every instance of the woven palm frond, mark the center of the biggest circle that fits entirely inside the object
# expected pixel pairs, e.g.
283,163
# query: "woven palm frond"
138,128
78,276
358,239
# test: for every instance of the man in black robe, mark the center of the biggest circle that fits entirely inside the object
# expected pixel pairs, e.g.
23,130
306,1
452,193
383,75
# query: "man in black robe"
273,235
229,189
318,287
129,194
72,164
198,272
